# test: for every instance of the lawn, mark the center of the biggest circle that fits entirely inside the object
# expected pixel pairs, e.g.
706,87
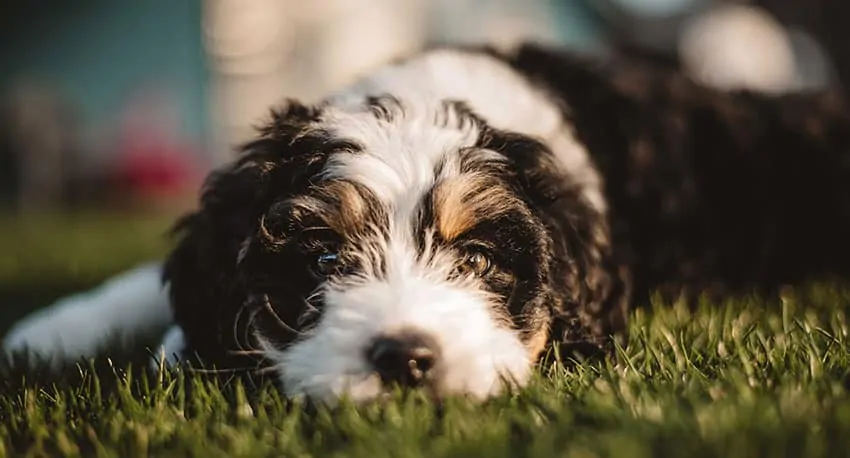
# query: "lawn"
749,377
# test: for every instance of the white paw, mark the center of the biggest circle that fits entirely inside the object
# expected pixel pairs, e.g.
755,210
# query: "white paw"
63,332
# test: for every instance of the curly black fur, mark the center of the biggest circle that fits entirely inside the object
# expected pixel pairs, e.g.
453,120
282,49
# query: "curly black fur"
710,191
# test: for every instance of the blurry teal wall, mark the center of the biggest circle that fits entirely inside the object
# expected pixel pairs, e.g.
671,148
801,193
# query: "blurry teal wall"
578,24
98,51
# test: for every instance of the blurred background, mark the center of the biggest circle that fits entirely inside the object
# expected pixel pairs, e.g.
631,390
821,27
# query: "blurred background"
111,113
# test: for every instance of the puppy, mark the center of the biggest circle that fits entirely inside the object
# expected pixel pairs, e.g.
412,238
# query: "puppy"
444,220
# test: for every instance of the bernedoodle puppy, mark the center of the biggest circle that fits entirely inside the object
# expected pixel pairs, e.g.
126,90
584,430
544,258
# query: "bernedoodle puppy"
447,218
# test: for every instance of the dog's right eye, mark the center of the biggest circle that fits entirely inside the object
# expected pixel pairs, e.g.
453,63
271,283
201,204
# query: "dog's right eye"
326,264
321,248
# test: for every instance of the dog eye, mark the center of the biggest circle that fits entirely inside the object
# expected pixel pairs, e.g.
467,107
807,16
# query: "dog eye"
476,263
326,264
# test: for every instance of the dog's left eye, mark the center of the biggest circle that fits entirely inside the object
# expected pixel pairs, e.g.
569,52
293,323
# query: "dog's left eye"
476,263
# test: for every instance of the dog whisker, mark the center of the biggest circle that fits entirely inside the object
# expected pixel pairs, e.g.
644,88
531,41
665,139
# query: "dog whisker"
260,368
265,370
236,326
310,310
308,301
245,338
267,305
248,352
229,370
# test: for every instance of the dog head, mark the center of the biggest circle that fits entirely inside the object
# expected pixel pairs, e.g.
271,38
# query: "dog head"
380,239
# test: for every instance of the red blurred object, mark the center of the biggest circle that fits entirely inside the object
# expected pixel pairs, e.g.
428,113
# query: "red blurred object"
152,160
151,169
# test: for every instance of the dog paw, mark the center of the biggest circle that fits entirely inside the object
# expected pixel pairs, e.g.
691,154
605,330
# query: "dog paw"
53,335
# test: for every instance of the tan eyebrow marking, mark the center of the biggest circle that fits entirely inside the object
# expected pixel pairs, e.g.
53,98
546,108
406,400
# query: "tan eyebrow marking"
346,207
459,203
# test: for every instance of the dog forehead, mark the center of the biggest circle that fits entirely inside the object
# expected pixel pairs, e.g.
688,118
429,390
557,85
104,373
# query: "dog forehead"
402,154
490,87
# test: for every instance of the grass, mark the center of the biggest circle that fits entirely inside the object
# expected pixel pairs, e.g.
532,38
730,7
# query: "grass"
748,377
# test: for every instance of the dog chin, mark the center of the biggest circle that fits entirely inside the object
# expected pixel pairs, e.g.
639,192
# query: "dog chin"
476,354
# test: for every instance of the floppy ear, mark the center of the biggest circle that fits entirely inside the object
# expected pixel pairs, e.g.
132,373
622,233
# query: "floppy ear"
591,287
205,288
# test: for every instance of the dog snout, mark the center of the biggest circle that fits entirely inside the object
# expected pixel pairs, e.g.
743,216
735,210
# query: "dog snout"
407,359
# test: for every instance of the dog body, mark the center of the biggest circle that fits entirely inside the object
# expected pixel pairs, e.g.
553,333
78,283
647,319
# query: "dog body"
442,220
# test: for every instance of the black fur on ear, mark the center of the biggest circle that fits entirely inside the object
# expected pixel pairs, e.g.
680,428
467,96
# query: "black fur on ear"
206,292
591,288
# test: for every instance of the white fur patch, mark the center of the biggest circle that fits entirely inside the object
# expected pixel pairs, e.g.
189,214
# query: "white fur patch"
80,325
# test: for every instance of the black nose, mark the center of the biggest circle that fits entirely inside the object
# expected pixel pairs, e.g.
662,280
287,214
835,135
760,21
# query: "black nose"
407,359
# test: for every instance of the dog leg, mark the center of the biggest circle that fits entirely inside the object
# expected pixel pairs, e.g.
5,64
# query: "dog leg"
125,307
